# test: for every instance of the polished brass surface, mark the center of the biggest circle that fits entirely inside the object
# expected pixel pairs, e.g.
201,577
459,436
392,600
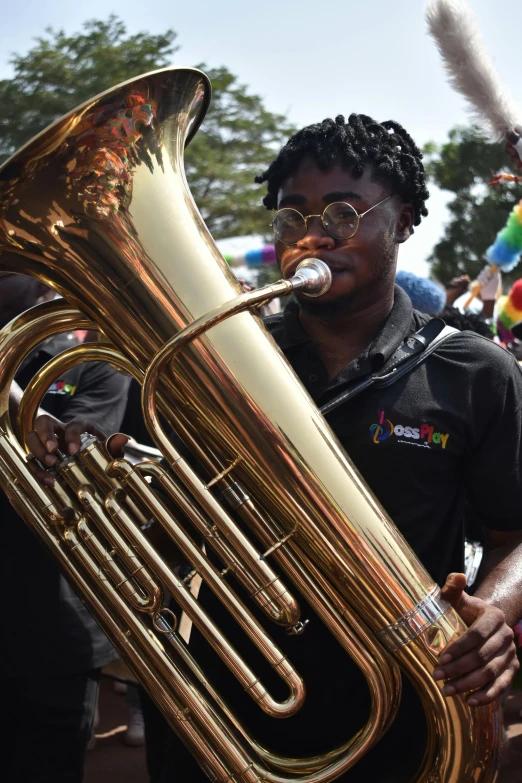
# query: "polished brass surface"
98,207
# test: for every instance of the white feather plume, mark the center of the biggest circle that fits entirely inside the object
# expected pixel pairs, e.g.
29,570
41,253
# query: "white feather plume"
469,66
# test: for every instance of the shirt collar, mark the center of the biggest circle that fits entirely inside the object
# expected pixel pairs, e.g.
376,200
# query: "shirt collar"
289,333
396,328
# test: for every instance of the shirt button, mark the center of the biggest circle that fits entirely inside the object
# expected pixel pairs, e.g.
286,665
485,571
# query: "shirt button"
312,378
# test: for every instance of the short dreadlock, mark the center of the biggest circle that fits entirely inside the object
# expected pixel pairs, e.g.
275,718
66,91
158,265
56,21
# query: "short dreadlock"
385,147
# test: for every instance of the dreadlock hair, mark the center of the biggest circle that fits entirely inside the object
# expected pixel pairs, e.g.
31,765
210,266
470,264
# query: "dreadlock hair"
385,147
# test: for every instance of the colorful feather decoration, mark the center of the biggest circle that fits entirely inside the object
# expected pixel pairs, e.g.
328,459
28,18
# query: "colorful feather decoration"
471,71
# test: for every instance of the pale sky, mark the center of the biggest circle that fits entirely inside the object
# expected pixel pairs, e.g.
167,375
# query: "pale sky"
308,60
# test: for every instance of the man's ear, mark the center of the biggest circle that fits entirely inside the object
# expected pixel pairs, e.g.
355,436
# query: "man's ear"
405,220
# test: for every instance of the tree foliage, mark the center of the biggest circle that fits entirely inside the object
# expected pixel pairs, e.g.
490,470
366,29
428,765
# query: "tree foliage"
464,165
237,140
61,71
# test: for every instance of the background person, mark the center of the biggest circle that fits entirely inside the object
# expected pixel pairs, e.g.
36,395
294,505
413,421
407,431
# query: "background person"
51,649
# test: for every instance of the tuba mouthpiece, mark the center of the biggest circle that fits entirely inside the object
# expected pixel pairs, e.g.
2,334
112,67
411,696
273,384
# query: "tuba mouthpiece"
313,277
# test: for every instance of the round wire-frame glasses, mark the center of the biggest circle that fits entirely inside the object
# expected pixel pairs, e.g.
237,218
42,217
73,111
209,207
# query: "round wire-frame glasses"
339,219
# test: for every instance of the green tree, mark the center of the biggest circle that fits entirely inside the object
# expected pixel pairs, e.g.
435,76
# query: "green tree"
237,140
61,71
464,165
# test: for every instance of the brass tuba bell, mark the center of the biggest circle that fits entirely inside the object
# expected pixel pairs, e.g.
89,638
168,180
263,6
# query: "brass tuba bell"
97,206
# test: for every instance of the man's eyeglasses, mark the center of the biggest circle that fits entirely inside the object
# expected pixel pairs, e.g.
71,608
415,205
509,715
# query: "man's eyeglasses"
340,220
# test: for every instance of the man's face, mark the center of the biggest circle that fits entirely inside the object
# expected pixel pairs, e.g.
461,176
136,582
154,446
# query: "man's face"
361,265
18,293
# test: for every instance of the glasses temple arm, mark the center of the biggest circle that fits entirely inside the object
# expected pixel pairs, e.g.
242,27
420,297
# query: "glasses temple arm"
376,205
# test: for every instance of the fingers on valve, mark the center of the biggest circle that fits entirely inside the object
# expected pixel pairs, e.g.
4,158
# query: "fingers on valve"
43,441
73,432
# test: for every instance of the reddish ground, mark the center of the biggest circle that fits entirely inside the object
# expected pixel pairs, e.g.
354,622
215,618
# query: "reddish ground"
110,761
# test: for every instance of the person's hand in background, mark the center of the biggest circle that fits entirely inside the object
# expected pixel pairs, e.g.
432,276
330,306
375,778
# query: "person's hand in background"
456,287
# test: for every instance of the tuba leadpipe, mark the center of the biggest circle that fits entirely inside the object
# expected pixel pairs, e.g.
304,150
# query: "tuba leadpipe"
98,207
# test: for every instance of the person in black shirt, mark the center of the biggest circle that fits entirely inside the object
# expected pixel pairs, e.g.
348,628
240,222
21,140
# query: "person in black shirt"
51,649
445,434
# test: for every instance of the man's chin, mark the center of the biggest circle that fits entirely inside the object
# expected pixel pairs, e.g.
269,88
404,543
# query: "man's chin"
331,303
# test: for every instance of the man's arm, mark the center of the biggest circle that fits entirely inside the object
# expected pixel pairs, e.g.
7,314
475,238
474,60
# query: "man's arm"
483,660
501,574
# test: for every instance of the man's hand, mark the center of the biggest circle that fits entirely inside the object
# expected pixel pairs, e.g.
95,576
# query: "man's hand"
457,287
483,660
245,286
50,435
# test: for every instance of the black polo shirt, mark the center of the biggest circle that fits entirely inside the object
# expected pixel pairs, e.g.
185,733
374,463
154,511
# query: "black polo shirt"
93,390
47,628
447,433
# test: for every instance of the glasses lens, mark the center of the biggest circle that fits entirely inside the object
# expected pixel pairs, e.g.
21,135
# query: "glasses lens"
340,220
289,226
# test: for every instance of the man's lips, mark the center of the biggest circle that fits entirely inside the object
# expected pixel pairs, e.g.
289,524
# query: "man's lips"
336,265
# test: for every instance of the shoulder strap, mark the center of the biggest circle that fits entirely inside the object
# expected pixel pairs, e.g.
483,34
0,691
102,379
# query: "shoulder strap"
414,350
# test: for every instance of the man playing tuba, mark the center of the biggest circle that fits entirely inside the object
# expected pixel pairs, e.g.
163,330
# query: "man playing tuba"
446,433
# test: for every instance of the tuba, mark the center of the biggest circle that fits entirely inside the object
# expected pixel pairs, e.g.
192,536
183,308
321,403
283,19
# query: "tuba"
97,206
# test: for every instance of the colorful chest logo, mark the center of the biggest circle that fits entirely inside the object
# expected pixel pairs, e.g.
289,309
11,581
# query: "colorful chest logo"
61,387
424,435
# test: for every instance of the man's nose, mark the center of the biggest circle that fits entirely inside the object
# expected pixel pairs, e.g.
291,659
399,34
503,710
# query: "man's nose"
316,237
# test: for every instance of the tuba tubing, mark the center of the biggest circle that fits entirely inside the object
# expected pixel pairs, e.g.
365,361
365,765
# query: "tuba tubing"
98,207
